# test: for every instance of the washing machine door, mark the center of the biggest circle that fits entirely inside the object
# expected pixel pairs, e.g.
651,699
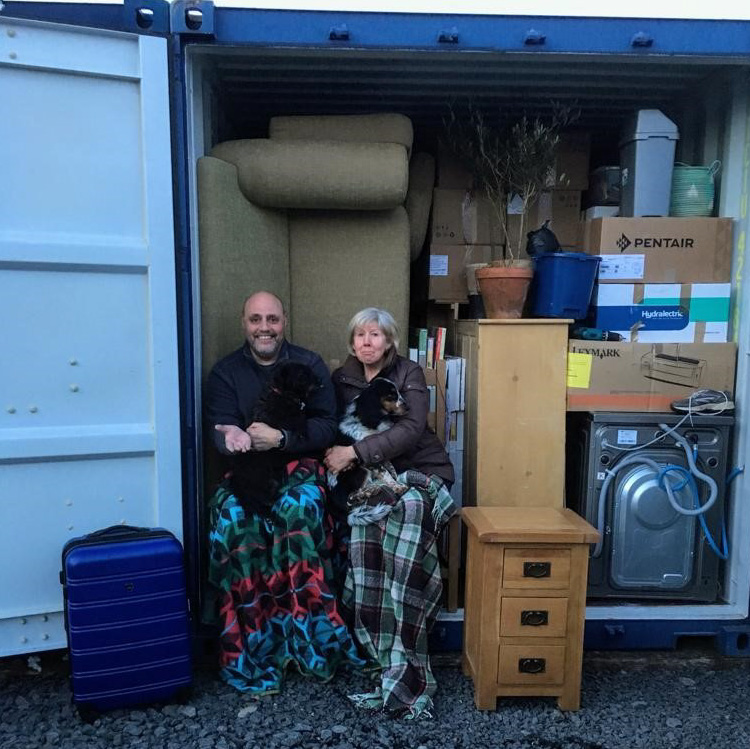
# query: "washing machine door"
653,545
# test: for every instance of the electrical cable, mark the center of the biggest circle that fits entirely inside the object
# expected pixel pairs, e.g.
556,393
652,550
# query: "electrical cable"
689,481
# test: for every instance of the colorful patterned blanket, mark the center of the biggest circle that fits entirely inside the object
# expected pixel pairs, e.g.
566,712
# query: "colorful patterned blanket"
271,581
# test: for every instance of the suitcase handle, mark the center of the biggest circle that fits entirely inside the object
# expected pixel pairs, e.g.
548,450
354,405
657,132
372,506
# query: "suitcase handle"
114,530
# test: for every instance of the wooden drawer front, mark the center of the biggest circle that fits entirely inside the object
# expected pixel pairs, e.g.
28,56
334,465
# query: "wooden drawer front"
533,617
536,569
531,664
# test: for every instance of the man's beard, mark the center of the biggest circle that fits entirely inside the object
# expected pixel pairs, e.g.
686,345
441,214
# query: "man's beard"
270,348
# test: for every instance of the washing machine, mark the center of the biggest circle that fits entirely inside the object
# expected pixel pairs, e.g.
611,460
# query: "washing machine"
649,549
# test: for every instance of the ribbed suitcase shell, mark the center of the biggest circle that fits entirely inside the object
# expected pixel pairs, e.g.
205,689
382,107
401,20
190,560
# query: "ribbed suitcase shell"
126,616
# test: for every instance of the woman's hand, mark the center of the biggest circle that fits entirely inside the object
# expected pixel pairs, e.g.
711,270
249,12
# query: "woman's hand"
339,458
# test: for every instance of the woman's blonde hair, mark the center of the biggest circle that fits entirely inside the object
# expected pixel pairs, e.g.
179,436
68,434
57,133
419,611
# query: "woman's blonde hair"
384,320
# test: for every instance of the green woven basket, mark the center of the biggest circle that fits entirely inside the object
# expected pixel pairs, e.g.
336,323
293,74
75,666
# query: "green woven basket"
693,190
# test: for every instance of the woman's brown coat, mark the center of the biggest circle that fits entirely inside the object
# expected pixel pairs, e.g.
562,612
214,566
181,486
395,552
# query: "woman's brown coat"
409,443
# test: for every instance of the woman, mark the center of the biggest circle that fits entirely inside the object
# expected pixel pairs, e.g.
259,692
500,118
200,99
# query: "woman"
393,584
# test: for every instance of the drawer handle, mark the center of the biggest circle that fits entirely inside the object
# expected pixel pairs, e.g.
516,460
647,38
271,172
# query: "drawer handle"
534,618
532,665
537,569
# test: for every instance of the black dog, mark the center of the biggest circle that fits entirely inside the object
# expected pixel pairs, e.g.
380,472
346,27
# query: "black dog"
372,411
257,477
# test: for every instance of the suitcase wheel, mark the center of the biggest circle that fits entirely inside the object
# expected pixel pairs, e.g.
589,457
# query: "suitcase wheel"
87,713
183,695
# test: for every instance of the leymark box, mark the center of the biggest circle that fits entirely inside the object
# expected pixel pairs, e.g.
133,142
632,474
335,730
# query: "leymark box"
661,249
664,313
644,377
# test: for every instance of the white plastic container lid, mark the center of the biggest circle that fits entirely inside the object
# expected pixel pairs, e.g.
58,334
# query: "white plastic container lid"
649,123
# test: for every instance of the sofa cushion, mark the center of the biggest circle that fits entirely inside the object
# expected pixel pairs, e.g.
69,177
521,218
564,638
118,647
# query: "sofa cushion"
340,263
319,174
243,248
370,128
419,199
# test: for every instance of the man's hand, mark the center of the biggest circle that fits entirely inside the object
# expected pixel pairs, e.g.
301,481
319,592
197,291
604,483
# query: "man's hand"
263,436
235,439
339,458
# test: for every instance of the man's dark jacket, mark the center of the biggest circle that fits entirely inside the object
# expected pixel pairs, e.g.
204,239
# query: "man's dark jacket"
237,381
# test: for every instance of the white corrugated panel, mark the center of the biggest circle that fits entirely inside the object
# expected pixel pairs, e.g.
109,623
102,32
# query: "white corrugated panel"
89,426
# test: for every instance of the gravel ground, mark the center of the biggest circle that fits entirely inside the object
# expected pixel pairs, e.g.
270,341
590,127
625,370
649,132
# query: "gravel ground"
655,700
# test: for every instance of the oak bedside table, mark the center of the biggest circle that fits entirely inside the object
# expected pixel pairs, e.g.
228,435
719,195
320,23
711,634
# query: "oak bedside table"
525,603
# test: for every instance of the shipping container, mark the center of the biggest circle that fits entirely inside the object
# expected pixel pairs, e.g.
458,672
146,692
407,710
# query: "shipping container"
107,110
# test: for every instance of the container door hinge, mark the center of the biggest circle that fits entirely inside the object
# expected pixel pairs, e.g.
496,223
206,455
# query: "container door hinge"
192,17
146,16
448,36
534,38
642,39
339,33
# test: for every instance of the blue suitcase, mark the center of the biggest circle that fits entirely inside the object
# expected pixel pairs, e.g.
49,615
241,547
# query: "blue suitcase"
126,617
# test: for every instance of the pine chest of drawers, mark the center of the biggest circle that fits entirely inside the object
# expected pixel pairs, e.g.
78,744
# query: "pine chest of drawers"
525,603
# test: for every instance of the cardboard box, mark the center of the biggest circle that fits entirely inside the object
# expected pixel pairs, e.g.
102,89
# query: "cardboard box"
571,171
562,208
452,173
663,312
448,269
464,217
601,211
644,377
661,250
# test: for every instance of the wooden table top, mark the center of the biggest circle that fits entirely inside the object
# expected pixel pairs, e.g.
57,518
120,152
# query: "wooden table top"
528,525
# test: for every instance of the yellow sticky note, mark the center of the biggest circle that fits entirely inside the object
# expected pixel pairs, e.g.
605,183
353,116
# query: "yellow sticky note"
579,370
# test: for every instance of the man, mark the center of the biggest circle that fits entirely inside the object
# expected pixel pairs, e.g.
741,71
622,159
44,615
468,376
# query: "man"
271,577
236,382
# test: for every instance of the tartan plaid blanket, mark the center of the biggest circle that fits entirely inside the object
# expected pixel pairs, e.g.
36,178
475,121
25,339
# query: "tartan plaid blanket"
270,586
393,588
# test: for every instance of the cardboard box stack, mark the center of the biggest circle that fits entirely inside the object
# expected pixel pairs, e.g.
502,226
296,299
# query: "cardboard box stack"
464,230
664,285
561,203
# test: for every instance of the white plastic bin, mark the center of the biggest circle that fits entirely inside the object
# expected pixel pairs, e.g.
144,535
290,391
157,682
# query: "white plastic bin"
647,151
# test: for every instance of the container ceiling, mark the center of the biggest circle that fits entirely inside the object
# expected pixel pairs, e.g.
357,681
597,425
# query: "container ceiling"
252,85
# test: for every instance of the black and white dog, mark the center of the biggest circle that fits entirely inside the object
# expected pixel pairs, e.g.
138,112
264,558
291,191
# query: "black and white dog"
371,412
257,477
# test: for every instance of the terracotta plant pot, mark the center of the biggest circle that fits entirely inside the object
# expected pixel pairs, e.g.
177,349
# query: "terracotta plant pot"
504,290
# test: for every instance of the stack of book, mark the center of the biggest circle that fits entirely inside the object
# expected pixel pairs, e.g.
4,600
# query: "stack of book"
427,346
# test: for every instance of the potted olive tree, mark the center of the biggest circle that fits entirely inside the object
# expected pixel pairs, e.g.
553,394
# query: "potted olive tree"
511,161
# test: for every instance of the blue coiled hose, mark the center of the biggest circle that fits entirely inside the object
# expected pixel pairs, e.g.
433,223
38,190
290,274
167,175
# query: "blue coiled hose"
661,471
